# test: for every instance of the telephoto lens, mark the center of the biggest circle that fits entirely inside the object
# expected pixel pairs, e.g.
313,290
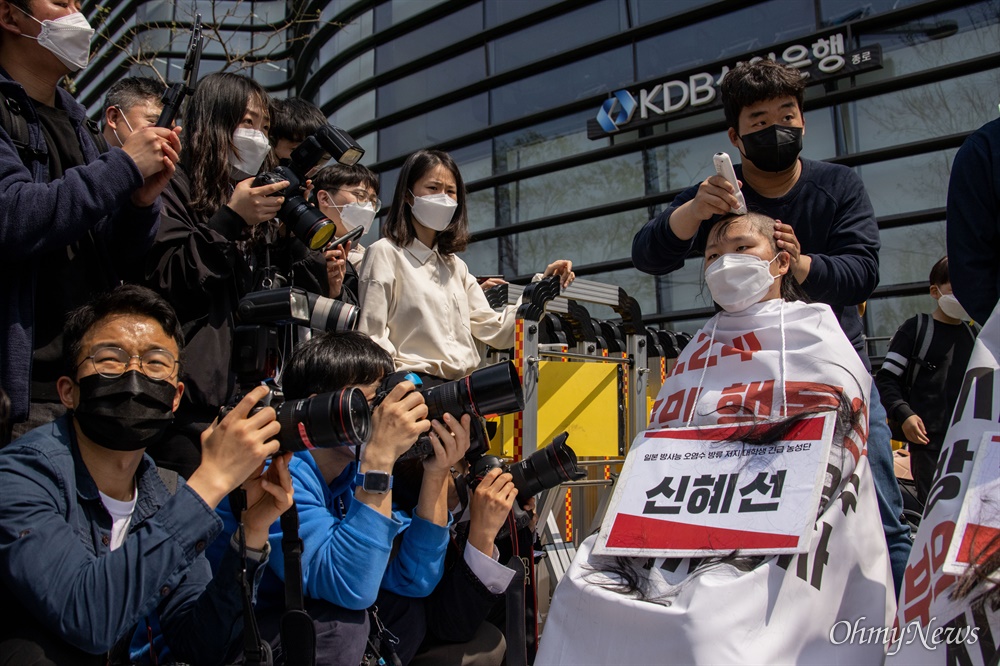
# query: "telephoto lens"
328,314
339,418
542,470
495,389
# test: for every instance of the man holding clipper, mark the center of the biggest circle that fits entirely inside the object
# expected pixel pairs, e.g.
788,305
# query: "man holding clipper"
826,225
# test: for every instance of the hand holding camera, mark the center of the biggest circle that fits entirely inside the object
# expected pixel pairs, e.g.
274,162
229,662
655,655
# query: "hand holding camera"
269,494
489,505
450,441
231,449
257,204
396,423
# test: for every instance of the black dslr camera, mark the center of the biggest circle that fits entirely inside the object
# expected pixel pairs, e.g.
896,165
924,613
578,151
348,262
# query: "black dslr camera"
495,389
305,220
339,418
544,469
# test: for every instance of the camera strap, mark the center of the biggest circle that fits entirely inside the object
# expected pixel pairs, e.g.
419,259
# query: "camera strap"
255,651
298,633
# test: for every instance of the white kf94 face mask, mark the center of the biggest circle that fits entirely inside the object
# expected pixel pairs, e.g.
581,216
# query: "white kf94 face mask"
251,149
67,37
355,215
434,211
737,281
951,307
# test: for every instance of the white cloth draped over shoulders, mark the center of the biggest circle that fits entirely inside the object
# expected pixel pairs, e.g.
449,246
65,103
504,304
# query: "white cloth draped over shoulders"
783,609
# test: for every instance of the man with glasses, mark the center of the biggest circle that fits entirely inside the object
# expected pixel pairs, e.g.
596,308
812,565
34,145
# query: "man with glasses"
131,104
348,195
99,561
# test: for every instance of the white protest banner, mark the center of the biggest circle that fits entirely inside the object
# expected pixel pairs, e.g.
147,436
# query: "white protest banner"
771,361
978,527
688,492
931,626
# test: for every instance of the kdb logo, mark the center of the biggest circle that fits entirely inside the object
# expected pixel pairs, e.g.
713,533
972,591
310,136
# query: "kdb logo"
622,105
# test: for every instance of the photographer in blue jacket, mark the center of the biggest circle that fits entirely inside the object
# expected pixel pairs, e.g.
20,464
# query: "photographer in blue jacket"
101,562
356,547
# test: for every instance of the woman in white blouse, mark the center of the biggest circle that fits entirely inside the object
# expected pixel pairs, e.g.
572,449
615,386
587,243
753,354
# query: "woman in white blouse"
418,300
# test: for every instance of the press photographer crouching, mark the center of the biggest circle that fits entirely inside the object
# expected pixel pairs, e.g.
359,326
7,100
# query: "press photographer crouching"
102,554
218,239
487,526
354,543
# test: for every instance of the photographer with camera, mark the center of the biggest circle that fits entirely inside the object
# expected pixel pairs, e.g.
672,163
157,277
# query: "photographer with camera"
102,554
344,500
348,195
216,243
75,215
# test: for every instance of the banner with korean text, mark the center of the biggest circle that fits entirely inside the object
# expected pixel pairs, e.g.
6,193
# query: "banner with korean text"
931,626
693,492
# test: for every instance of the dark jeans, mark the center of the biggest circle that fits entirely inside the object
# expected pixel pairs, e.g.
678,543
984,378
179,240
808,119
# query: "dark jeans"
890,499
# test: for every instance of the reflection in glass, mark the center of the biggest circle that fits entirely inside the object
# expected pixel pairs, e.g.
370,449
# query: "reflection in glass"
475,161
647,11
349,74
908,253
934,41
614,179
482,209
584,78
359,110
412,45
884,315
562,33
434,127
685,289
502,11
947,107
908,184
482,257
546,142
700,43
591,241
395,11
432,81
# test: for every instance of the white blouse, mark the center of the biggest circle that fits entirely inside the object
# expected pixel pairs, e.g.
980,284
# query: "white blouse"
427,311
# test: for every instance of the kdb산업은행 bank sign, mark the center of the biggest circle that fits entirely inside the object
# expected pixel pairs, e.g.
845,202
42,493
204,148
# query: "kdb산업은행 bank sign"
820,57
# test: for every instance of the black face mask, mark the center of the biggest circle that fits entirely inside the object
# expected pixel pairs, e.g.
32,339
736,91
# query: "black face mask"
125,413
773,148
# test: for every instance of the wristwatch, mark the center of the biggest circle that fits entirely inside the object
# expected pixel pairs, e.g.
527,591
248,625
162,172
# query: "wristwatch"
374,481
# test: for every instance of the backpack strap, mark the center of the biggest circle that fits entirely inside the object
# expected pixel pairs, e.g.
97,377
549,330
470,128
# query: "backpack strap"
16,125
921,345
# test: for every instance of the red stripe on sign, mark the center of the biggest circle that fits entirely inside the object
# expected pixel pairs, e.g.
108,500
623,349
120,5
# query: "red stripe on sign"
975,542
639,532
806,430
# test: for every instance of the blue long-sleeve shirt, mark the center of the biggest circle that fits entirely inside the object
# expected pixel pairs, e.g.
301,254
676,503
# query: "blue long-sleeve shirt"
347,544
56,562
38,216
974,222
833,220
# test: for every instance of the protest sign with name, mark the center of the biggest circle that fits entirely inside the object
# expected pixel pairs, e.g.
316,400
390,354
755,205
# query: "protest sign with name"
690,492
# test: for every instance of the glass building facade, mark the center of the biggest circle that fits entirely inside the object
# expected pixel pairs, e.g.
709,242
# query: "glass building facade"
509,87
